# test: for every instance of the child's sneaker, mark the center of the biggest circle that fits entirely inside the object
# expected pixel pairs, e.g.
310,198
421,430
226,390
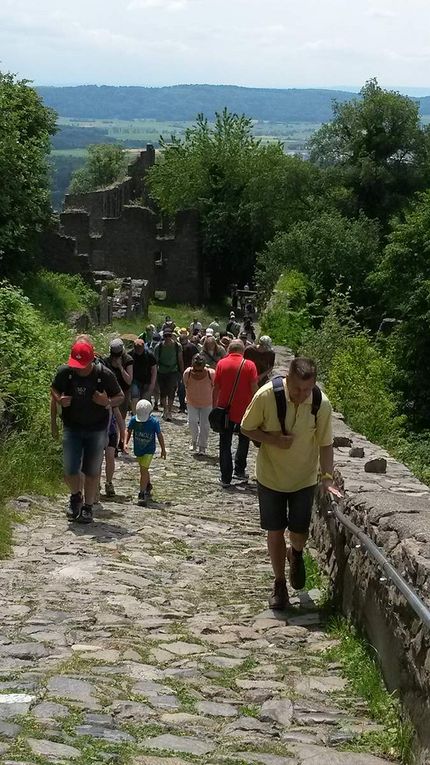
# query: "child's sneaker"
141,499
109,489
85,514
75,505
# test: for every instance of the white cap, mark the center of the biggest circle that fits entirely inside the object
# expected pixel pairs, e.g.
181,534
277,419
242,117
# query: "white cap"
266,341
209,332
143,410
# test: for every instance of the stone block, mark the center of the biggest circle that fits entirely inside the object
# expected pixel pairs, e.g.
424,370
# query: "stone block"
356,451
377,465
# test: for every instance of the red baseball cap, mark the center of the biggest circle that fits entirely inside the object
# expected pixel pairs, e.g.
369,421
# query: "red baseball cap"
81,355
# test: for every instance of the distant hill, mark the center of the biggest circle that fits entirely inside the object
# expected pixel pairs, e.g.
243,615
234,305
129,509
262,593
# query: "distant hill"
184,102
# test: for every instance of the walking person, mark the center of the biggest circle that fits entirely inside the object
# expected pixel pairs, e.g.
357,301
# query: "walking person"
86,391
212,351
114,436
121,364
199,387
291,418
144,429
144,373
168,354
189,350
233,326
238,376
263,357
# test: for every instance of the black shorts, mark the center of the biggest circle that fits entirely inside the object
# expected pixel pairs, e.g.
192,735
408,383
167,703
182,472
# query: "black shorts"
281,510
168,383
113,440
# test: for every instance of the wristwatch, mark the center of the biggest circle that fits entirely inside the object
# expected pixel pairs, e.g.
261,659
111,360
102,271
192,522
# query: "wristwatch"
326,477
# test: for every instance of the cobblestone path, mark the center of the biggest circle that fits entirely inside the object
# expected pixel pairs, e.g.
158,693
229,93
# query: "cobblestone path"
144,639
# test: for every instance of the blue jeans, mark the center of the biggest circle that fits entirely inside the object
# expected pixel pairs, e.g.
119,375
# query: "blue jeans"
225,456
83,451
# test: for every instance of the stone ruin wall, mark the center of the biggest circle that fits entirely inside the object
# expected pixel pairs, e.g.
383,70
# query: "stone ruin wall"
106,231
393,509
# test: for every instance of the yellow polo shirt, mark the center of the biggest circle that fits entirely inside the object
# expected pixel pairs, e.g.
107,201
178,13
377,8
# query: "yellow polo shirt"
295,468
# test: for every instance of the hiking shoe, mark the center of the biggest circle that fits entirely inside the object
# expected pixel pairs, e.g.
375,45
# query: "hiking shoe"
278,600
85,514
109,489
75,504
225,484
141,499
201,451
193,447
297,568
241,476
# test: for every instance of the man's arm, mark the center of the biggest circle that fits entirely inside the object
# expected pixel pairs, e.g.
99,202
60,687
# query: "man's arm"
127,374
327,466
180,361
53,414
273,439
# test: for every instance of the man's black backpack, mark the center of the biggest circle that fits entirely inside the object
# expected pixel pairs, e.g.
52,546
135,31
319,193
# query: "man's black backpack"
281,403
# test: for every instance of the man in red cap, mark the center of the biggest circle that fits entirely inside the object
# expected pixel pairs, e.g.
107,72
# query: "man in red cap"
86,391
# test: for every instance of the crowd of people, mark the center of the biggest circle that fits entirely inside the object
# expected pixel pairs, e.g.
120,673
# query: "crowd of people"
222,379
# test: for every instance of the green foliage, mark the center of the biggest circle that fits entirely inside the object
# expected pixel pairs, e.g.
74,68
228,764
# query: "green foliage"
243,190
329,249
57,296
379,148
408,298
360,667
286,317
358,385
25,130
337,327
105,164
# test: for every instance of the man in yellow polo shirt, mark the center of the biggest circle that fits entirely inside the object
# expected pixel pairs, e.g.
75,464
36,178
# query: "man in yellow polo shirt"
287,467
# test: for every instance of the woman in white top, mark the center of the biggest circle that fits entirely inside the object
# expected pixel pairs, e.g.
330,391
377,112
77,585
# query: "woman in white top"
199,383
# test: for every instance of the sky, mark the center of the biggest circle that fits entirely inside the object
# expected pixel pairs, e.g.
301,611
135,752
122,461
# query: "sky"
256,43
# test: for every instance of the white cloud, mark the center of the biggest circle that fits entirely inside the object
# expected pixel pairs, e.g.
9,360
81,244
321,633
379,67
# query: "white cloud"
381,13
163,5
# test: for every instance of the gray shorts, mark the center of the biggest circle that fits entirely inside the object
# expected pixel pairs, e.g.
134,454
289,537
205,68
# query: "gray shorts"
281,510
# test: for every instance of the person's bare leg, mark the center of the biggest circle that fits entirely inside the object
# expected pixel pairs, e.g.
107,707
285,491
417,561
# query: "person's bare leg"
298,541
74,482
110,463
91,485
144,478
277,552
295,559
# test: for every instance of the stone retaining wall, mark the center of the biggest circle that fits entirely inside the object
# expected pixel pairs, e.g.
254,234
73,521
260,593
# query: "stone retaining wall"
393,508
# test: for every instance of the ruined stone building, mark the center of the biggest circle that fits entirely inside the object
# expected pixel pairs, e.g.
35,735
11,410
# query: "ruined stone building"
114,229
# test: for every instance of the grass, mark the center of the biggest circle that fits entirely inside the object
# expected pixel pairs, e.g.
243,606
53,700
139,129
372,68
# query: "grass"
360,668
181,314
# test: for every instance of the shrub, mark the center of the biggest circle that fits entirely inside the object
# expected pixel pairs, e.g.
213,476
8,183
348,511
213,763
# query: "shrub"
105,164
57,296
358,385
287,317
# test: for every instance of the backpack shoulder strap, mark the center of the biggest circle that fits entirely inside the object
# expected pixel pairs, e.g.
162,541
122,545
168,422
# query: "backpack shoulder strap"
316,401
281,401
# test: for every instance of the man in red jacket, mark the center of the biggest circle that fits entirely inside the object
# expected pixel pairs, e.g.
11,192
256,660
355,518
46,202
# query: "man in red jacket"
234,368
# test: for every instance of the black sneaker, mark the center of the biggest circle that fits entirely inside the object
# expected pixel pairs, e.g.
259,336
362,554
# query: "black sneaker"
241,476
109,489
75,505
85,514
297,568
141,499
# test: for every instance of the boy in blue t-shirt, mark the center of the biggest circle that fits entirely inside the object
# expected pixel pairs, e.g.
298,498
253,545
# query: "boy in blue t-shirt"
144,429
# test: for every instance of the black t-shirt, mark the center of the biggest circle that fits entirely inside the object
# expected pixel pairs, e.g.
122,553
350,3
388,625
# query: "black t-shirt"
189,350
142,366
127,361
83,412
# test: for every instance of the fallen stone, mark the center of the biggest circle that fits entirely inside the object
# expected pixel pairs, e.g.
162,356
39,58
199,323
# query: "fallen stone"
377,465
277,710
341,442
356,451
53,751
185,744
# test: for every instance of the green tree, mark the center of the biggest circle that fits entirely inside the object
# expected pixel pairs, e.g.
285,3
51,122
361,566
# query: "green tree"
403,279
105,164
243,190
329,249
25,129
379,149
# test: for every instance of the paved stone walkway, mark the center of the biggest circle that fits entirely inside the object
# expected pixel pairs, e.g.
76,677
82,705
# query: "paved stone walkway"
144,639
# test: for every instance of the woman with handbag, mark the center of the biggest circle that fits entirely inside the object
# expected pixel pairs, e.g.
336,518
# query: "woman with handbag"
199,385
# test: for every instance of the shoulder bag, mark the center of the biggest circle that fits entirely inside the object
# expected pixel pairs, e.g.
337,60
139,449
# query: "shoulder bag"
219,416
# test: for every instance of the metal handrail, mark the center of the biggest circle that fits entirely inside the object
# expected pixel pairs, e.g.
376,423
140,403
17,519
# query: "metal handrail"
408,592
